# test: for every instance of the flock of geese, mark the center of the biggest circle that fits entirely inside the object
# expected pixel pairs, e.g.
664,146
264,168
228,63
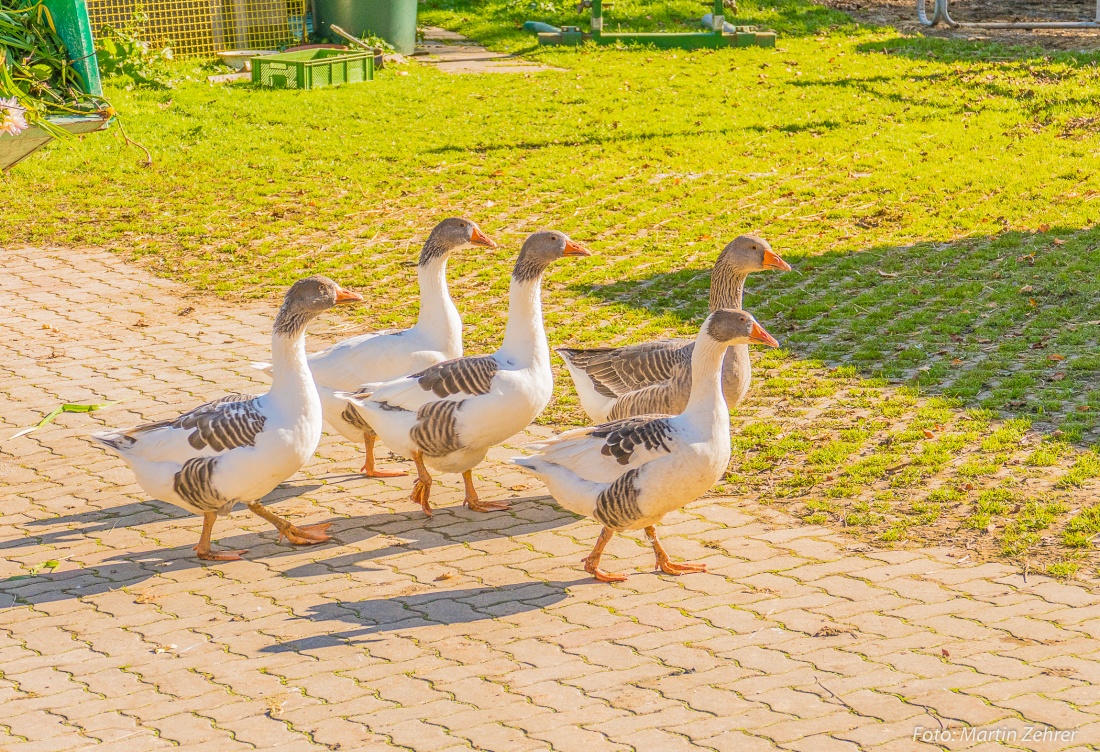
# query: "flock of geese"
662,433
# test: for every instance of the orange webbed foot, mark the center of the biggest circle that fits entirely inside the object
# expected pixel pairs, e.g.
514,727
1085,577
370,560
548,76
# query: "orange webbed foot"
304,536
487,506
420,494
599,574
375,473
678,568
207,554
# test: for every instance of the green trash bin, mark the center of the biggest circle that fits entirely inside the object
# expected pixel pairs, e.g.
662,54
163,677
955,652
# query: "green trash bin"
393,20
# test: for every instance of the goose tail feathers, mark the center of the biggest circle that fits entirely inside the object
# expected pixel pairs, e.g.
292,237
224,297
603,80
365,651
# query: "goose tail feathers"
116,440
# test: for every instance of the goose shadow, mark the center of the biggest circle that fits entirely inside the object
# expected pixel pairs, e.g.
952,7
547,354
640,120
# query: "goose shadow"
449,526
466,606
1001,321
102,522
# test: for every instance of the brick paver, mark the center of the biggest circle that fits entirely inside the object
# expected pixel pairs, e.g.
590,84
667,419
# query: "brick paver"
464,631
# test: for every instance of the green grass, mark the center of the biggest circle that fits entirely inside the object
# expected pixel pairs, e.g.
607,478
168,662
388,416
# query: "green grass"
935,197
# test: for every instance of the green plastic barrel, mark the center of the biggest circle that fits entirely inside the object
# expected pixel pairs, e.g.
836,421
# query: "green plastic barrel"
393,20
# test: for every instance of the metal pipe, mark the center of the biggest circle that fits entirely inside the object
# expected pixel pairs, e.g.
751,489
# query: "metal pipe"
940,13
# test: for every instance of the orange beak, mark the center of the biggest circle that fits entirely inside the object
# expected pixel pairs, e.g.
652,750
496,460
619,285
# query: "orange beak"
480,238
576,249
772,261
759,335
347,296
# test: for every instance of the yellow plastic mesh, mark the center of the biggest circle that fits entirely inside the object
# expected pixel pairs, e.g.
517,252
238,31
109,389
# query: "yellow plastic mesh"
203,27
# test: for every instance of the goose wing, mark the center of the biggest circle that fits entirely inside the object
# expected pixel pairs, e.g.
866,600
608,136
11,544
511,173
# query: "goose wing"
227,423
452,380
603,453
620,370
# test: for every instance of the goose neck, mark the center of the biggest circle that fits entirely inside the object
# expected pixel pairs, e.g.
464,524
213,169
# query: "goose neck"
291,382
707,404
438,317
727,290
525,338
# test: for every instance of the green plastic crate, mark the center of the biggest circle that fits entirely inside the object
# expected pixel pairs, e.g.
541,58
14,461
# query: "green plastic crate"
312,69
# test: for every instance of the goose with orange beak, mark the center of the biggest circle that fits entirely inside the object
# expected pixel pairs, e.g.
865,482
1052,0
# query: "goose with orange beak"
382,356
448,416
238,448
630,473
655,377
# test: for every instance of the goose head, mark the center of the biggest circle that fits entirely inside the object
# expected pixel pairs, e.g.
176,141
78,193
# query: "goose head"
307,298
746,254
540,250
727,326
450,235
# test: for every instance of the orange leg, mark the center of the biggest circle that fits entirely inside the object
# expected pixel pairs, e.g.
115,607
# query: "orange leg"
422,489
369,469
202,548
665,564
474,503
299,536
592,563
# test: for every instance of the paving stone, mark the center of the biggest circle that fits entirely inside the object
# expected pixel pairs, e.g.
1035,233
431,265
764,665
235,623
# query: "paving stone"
355,645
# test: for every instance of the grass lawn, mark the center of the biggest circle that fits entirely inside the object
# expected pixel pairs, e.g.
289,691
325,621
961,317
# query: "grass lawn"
938,376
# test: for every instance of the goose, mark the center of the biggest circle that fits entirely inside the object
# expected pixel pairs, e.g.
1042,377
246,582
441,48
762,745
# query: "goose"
630,473
238,448
386,355
449,415
655,377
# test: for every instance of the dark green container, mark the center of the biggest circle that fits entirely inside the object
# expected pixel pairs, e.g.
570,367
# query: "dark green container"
393,20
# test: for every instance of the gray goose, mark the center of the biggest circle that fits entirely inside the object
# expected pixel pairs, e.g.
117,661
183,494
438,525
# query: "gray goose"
238,448
655,377
630,473
448,416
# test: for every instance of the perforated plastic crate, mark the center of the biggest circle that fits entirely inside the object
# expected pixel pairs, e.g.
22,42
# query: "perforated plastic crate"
312,69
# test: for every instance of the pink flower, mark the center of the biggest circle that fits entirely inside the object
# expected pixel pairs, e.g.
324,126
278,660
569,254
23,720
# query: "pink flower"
12,119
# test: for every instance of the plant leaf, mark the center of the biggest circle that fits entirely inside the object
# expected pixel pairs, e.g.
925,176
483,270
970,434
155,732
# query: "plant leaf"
68,407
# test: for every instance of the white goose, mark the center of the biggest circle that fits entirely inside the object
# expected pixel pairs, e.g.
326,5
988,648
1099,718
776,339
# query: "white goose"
655,377
630,473
386,355
449,415
238,448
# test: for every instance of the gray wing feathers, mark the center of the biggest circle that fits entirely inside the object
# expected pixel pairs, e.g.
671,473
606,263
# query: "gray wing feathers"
194,483
624,436
618,371
228,422
660,399
617,505
436,430
352,417
459,376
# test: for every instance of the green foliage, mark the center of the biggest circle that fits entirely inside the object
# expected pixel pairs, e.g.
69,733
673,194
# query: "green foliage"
35,68
124,52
